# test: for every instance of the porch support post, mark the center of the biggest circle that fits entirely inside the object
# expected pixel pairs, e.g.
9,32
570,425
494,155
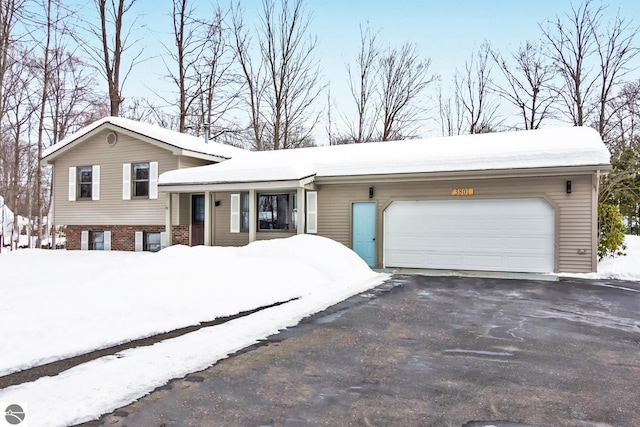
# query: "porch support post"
207,218
213,219
167,220
302,210
253,215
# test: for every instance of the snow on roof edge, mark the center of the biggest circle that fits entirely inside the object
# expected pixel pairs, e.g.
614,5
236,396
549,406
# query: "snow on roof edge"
542,148
166,136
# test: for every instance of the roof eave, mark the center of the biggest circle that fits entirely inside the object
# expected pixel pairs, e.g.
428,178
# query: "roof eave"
202,156
306,183
178,151
466,174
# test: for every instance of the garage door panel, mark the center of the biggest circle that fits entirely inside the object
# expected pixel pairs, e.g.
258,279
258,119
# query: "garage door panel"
477,234
532,225
409,259
480,262
482,243
513,262
443,259
532,245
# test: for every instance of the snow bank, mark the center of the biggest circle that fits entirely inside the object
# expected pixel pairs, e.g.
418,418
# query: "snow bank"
621,268
83,301
94,298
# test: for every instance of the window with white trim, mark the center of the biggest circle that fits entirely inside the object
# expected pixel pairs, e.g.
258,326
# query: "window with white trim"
244,211
277,211
96,240
140,179
85,182
152,241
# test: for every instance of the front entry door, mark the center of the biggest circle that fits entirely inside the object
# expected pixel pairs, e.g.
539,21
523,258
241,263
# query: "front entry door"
197,220
364,231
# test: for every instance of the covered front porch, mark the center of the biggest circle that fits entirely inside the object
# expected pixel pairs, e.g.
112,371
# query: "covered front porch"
235,214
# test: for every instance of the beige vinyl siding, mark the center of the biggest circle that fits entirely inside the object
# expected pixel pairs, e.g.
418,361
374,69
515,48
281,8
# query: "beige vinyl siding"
222,224
110,209
574,221
182,210
191,162
267,235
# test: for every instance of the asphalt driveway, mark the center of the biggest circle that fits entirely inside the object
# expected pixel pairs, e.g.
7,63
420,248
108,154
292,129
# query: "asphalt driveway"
432,351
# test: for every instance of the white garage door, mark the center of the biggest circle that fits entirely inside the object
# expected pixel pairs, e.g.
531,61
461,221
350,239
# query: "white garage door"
479,234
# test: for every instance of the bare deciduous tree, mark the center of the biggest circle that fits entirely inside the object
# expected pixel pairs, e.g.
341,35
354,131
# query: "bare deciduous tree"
10,12
183,34
385,85
253,78
219,85
625,121
592,57
528,87
16,154
472,90
450,115
615,48
281,88
569,44
207,89
403,77
362,86
114,43
72,97
46,69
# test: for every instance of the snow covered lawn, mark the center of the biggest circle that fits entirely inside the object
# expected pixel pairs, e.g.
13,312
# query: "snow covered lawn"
621,268
56,304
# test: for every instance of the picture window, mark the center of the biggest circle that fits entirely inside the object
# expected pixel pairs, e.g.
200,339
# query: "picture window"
277,212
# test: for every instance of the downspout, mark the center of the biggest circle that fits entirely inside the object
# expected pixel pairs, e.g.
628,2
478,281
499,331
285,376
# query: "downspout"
596,232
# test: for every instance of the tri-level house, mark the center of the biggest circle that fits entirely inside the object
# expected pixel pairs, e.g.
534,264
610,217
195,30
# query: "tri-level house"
521,201
105,181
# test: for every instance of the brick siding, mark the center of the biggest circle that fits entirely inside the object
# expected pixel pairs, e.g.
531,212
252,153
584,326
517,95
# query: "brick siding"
180,235
123,236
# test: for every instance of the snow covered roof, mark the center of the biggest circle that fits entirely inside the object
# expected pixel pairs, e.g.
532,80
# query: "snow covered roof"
179,140
544,148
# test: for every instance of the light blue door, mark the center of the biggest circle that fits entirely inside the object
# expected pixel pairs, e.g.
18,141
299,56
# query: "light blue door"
364,231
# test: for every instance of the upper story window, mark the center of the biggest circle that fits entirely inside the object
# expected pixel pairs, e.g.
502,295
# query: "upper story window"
140,179
277,211
85,182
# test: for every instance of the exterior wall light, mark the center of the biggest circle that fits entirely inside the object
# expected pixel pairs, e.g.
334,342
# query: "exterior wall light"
371,192
568,187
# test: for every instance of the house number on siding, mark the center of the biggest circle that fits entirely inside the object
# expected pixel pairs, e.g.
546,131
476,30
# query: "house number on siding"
462,192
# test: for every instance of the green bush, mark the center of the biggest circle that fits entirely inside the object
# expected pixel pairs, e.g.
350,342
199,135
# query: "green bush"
611,230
